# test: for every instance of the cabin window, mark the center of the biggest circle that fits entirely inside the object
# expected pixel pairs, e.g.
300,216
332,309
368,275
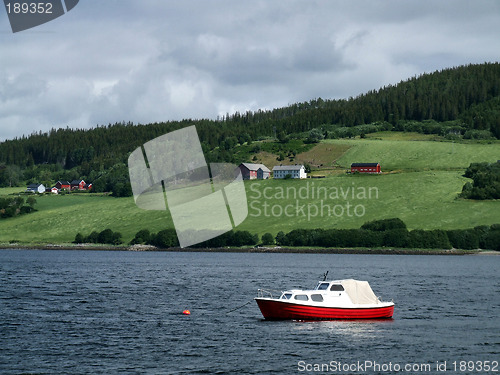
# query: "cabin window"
337,288
317,297
301,297
323,286
286,296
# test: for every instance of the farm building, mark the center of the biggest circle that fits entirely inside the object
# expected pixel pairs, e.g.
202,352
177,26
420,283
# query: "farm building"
79,185
73,185
251,171
35,188
63,185
52,190
365,167
295,171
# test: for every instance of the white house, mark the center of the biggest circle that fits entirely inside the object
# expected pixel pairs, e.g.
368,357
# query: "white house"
295,171
35,188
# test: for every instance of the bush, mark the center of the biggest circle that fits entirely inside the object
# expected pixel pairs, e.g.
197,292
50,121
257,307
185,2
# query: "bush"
466,239
281,239
478,134
107,236
367,238
165,239
395,238
267,239
31,201
10,207
385,224
486,181
122,189
491,240
429,239
315,135
26,210
141,237
242,238
304,237
92,237
79,238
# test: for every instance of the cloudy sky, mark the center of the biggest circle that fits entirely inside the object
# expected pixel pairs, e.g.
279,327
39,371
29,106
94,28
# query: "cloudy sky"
155,60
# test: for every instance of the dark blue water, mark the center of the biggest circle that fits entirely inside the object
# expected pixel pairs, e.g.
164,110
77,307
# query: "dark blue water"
84,312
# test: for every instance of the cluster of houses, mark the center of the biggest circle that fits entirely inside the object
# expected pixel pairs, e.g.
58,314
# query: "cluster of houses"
79,185
251,171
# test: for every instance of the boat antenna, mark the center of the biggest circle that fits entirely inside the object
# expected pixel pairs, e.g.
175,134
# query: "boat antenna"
325,275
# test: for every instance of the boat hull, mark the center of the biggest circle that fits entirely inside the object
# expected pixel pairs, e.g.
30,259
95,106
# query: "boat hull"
277,310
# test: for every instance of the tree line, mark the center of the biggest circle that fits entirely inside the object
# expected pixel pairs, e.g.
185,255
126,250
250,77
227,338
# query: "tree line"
469,94
374,234
461,102
394,233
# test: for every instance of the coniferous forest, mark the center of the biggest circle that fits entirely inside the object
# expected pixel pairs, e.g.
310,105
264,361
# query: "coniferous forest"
458,103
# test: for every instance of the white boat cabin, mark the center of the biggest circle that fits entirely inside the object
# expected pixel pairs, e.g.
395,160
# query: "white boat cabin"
338,293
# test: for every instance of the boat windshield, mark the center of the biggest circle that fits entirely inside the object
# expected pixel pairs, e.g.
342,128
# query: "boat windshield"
286,296
322,286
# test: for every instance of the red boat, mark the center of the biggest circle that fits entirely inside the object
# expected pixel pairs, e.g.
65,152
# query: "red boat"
340,299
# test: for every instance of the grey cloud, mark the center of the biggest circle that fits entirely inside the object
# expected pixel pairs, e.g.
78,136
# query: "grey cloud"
146,61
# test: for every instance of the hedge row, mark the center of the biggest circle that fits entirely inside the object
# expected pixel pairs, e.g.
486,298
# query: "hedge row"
168,238
380,233
388,234
107,236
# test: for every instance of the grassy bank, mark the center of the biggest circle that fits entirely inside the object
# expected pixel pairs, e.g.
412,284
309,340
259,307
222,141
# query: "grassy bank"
275,250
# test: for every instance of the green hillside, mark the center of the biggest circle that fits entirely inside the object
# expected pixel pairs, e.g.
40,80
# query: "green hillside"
59,218
423,193
416,155
424,131
423,200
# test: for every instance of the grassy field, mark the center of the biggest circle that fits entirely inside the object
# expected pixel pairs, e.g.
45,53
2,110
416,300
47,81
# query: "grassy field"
423,200
423,194
422,155
59,218
323,155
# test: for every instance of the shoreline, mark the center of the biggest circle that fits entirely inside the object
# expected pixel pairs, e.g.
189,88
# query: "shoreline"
270,250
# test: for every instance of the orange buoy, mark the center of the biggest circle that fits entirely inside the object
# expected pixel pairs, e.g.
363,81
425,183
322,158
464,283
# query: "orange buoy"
186,312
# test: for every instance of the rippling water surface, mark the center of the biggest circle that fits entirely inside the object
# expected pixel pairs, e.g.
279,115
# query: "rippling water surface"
86,312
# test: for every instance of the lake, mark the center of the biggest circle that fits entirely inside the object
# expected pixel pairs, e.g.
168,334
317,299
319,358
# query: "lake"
118,312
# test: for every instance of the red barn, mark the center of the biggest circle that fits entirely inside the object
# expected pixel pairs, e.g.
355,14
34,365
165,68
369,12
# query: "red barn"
78,185
365,167
251,171
63,185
